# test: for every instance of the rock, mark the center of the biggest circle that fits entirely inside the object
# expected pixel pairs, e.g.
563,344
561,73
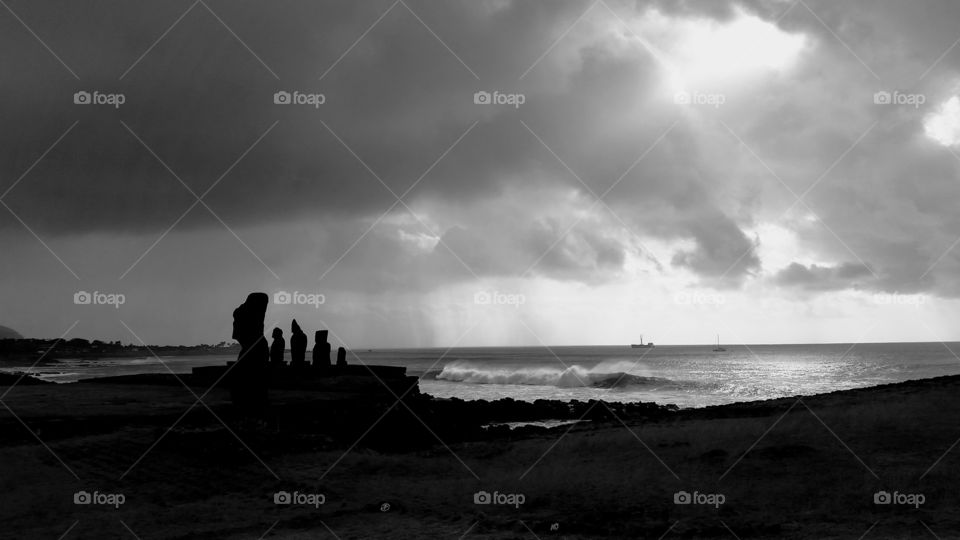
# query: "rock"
321,350
22,379
277,347
298,345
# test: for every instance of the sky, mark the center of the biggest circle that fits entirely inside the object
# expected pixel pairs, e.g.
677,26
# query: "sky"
482,173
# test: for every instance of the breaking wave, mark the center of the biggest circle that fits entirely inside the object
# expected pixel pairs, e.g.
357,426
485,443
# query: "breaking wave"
604,375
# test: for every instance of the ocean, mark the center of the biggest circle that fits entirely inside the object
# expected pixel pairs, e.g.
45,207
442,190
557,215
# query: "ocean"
688,376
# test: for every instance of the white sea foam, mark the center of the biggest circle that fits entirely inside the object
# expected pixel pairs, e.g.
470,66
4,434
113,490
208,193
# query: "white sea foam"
613,373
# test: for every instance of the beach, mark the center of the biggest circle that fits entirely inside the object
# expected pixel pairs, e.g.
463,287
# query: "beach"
810,467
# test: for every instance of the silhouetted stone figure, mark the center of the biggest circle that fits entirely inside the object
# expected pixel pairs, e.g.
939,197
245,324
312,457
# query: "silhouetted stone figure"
341,357
277,347
248,384
298,345
321,350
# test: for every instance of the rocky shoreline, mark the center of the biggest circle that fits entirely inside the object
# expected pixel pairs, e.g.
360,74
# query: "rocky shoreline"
341,406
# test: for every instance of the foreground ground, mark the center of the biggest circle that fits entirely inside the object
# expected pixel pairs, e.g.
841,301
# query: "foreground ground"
788,468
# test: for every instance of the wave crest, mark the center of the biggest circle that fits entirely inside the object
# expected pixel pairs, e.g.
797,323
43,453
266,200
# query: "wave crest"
604,375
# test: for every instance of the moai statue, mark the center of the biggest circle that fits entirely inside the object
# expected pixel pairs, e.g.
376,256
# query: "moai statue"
298,345
248,383
321,350
277,348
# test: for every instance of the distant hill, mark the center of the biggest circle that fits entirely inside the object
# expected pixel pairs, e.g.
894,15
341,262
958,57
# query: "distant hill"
9,333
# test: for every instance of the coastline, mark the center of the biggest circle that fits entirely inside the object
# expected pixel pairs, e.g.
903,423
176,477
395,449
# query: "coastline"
788,468
200,384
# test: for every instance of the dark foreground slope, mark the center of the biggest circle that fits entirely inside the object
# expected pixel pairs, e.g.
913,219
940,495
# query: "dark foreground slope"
786,468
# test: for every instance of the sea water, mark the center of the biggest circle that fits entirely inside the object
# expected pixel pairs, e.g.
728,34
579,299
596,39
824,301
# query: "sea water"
688,376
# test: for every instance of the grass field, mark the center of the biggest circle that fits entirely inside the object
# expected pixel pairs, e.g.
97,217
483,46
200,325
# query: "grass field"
811,472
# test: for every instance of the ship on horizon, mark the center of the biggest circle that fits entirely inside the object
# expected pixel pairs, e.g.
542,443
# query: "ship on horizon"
641,345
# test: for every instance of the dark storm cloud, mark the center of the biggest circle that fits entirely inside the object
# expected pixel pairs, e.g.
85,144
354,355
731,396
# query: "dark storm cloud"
199,99
398,100
395,103
722,252
823,278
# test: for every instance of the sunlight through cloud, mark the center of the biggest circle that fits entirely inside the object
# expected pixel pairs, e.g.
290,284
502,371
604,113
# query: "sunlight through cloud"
943,126
703,51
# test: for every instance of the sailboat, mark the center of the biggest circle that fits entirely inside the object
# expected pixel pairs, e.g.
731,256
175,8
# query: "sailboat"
641,345
719,348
